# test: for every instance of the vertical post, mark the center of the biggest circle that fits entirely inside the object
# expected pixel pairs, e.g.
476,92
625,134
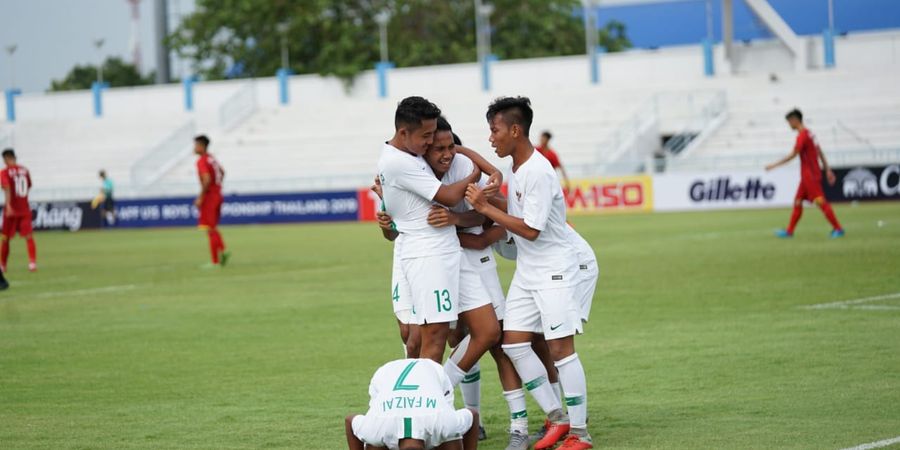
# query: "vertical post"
283,78
189,92
828,44
382,69
728,30
595,64
591,38
97,91
486,72
11,94
709,68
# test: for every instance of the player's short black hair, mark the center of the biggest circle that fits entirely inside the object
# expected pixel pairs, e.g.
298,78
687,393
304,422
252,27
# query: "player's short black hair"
443,124
456,139
9,153
202,139
515,111
102,173
547,135
795,113
411,111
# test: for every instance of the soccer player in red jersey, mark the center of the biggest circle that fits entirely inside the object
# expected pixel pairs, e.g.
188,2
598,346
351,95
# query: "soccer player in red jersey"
16,183
544,149
807,147
209,202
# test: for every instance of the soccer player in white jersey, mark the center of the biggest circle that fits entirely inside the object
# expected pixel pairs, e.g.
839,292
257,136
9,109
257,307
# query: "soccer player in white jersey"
411,408
429,256
541,298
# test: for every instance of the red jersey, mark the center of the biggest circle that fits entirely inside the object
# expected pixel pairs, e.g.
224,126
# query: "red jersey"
17,179
550,155
206,164
808,148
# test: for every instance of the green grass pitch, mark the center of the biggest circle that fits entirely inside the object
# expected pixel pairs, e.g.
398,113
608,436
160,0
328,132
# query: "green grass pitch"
697,338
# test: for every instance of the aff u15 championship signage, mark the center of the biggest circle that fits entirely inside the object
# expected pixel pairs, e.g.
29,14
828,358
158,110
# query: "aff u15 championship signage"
865,183
726,190
242,209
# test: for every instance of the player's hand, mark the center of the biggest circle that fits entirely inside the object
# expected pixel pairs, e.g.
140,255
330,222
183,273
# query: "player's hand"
198,201
442,217
8,211
376,188
493,185
385,221
476,198
770,167
829,175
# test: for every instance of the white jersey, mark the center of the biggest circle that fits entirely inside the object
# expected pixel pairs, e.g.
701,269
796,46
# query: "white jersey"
460,168
409,185
535,195
582,248
410,388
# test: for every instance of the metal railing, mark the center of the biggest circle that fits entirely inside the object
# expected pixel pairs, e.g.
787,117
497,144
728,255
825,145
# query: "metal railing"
237,108
164,156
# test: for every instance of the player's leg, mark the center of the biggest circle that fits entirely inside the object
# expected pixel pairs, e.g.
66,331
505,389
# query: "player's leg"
225,254
836,229
414,342
9,230
562,321
27,233
795,213
4,285
353,442
470,384
539,344
522,320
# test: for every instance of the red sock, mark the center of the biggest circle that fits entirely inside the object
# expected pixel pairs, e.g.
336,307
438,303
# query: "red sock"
32,250
213,245
220,241
4,252
829,214
795,217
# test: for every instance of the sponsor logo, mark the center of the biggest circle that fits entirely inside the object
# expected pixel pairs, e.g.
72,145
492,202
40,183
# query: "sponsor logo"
56,216
518,196
582,266
485,259
553,328
724,189
629,193
556,277
860,182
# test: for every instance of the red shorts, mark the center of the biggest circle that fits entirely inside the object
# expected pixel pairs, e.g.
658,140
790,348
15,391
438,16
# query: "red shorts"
809,190
210,212
22,224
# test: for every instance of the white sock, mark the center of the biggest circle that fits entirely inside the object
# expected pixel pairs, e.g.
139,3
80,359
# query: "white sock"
460,350
453,371
518,413
533,374
405,351
571,375
556,389
471,389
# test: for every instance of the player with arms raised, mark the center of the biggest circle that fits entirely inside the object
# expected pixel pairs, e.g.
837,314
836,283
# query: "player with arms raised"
411,408
807,147
541,298
209,202
16,181
429,256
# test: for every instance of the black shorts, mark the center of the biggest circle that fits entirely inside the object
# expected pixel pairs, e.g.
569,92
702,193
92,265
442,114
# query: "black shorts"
109,204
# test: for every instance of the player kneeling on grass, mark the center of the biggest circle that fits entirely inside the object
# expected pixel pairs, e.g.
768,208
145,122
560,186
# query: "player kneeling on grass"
541,298
411,408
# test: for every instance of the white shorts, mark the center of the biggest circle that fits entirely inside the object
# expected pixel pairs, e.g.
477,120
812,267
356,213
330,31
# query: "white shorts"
472,291
587,284
400,298
434,429
553,312
433,287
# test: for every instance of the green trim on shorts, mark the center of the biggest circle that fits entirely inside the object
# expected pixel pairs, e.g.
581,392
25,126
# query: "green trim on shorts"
472,377
407,428
574,401
535,383
519,415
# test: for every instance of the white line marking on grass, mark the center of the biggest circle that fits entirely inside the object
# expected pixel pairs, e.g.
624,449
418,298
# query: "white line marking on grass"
878,444
99,290
856,303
